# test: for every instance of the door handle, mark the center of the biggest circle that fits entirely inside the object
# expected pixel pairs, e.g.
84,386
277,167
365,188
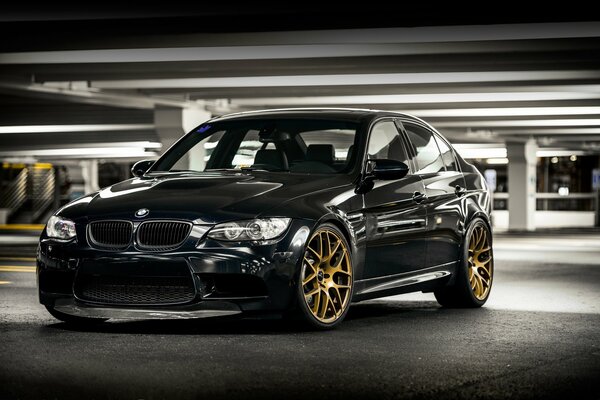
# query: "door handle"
459,190
419,197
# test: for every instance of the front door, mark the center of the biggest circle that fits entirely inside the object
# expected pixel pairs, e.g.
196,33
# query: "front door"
396,216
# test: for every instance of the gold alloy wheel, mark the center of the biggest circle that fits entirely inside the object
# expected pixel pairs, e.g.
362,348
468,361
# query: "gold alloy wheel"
481,264
326,275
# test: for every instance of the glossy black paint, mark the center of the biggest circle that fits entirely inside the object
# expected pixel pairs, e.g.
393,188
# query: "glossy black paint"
405,234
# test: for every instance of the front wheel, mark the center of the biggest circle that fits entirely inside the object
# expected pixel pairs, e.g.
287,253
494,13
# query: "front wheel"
325,284
74,320
474,273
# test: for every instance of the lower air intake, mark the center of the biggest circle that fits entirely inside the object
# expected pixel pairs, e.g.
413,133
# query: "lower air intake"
135,290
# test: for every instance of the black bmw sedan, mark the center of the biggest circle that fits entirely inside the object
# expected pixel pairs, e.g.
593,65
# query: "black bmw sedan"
296,212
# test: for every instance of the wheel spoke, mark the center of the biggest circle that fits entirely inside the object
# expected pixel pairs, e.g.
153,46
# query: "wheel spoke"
338,298
484,242
485,262
340,286
480,238
316,253
333,307
312,292
336,247
336,302
311,264
483,285
309,278
478,286
328,244
325,302
338,265
316,300
487,271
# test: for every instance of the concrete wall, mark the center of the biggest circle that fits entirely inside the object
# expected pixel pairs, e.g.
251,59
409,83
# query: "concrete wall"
549,219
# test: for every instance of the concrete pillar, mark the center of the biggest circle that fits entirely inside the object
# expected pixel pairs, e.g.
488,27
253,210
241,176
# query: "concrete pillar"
172,123
596,190
89,173
521,185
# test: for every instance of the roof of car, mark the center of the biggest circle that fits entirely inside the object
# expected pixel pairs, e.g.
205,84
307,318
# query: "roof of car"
345,113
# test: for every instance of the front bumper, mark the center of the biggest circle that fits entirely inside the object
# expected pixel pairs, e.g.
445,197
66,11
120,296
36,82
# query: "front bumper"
228,278
198,310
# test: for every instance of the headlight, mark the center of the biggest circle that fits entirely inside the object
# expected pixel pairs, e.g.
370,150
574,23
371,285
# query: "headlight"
254,229
60,228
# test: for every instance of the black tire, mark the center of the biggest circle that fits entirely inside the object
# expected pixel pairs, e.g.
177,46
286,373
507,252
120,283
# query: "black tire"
74,320
461,294
303,309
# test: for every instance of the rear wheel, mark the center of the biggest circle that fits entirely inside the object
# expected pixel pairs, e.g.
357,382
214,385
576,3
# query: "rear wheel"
475,273
326,282
72,319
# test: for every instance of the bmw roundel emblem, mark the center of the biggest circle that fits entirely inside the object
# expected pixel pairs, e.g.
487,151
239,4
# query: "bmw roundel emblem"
142,212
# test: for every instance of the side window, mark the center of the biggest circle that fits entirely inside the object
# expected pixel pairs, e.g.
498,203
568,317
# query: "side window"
429,159
447,155
385,142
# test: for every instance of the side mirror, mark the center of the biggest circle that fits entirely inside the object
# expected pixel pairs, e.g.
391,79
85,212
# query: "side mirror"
140,167
382,170
387,169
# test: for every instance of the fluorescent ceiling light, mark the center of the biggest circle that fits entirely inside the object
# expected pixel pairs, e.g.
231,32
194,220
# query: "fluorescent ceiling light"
524,123
145,144
74,128
558,153
224,53
497,154
101,152
137,144
483,152
505,112
549,131
344,79
415,98
497,161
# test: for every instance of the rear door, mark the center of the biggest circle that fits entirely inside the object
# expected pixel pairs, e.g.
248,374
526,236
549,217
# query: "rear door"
396,218
444,187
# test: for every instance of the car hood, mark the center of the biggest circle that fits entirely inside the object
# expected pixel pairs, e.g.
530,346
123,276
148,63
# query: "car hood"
205,197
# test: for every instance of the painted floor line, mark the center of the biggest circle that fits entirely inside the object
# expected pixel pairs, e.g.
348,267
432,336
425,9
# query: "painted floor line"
5,282
17,258
22,227
16,268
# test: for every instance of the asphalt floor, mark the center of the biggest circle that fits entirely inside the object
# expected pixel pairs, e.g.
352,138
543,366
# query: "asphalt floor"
538,337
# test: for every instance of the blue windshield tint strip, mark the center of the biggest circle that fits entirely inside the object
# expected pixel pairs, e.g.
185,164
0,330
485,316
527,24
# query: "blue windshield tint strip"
203,128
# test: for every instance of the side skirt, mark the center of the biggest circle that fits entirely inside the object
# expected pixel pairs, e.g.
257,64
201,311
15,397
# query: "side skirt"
421,280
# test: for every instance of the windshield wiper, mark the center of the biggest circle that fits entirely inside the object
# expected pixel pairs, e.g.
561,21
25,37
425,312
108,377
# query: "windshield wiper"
250,169
178,171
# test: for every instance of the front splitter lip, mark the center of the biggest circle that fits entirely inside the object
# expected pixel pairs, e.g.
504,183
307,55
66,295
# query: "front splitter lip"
205,309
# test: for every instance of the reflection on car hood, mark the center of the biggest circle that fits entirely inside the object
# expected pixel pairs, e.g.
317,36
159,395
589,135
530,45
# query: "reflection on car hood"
208,197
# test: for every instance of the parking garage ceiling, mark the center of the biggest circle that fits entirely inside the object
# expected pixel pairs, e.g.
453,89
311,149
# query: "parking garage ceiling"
488,80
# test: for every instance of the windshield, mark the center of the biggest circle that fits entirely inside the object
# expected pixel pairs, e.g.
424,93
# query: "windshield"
278,145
